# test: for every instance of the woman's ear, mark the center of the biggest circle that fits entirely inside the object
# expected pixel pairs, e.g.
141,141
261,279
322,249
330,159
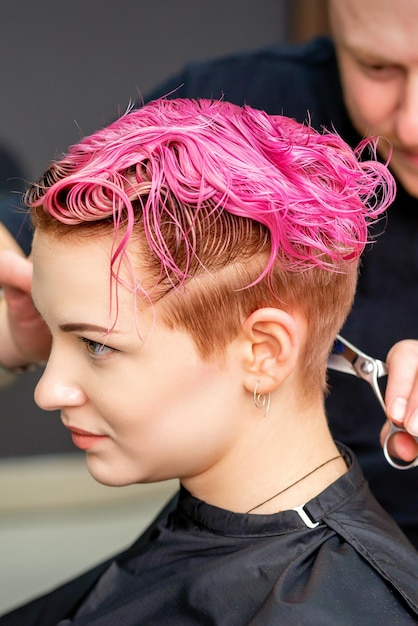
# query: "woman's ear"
272,340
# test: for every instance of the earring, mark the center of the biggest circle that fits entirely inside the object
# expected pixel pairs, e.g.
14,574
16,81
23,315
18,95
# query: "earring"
261,400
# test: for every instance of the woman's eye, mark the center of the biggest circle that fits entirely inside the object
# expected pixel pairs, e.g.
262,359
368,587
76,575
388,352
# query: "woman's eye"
96,348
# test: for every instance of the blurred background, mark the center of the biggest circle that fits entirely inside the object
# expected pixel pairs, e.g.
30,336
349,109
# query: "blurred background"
67,69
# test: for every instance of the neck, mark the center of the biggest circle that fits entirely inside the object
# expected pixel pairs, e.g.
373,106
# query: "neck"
273,464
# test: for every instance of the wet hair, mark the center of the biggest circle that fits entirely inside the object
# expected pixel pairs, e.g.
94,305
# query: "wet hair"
232,209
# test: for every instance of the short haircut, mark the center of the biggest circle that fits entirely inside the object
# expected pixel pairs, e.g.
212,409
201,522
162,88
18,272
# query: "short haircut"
232,209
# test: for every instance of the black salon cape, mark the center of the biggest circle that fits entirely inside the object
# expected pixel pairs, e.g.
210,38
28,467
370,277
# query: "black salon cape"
301,81
198,564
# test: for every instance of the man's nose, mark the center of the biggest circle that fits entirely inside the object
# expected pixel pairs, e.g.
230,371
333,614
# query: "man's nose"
407,116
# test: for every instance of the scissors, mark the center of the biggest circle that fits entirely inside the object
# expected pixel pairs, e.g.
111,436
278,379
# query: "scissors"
348,359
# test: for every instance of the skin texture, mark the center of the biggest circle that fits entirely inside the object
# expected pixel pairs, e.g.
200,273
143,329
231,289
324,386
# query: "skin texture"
162,411
377,51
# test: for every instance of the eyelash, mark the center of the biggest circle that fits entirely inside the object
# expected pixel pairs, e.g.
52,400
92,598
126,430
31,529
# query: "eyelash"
379,70
102,349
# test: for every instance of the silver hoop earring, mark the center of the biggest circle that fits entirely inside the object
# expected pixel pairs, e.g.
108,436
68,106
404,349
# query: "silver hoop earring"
261,400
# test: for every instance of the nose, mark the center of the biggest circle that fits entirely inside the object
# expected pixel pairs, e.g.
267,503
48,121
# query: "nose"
407,117
56,389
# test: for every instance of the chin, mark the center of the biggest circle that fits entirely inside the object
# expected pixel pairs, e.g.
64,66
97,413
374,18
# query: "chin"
105,474
114,474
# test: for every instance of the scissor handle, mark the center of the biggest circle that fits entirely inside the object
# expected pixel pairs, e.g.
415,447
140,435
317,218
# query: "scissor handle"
392,430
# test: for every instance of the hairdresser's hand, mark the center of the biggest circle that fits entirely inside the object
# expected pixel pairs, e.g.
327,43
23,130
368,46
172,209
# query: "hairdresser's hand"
24,338
7,241
402,399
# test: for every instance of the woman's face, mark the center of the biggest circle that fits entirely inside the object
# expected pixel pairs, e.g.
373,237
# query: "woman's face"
139,400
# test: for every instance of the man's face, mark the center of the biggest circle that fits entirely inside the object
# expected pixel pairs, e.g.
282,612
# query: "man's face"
377,50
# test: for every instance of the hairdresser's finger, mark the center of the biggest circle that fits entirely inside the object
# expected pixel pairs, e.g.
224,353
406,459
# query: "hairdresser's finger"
401,445
15,271
402,388
8,242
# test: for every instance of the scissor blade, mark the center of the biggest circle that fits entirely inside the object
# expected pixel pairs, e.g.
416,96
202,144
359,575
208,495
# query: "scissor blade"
340,363
343,356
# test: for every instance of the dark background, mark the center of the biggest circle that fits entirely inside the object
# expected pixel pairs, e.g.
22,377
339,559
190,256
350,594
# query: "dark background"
68,68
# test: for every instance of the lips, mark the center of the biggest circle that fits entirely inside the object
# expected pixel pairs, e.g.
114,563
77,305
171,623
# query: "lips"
84,439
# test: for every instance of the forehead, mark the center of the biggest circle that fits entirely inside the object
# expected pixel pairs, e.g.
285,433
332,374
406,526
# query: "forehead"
387,28
50,252
72,275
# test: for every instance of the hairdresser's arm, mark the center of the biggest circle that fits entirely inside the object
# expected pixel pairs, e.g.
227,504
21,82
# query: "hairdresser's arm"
402,398
24,338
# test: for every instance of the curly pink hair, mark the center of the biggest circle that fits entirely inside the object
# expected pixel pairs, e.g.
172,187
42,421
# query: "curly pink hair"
260,209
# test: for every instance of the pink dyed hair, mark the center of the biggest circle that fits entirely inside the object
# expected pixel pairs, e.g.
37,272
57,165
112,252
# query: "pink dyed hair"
209,184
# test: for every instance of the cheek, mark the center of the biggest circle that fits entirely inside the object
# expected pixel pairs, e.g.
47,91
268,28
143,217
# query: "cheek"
161,399
371,104
188,410
182,401
167,418
173,431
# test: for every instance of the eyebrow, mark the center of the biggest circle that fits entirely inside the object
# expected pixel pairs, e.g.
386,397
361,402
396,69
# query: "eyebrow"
379,57
81,327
